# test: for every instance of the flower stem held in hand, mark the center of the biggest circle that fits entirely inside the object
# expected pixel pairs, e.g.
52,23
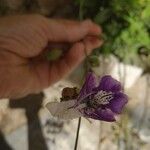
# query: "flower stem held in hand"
77,134
86,69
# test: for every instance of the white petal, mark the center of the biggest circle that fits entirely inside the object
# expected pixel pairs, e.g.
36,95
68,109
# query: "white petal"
62,110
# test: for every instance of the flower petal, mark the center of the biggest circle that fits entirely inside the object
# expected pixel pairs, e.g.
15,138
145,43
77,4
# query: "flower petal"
107,83
89,85
101,114
119,101
63,110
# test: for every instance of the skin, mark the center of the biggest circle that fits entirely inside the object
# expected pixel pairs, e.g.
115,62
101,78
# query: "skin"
23,40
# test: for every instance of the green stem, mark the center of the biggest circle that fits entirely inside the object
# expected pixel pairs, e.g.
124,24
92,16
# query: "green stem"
79,121
81,10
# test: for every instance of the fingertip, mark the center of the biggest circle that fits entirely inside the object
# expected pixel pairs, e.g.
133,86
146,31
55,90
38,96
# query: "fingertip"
92,27
91,43
97,43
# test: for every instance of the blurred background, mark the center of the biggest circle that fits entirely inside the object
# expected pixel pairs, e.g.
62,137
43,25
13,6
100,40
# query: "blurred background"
25,124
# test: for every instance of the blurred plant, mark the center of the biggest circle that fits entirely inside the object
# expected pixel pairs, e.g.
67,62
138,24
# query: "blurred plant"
125,25
30,5
3,7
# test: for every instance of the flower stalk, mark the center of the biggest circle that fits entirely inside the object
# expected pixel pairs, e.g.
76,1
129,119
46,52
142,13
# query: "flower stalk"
86,66
77,134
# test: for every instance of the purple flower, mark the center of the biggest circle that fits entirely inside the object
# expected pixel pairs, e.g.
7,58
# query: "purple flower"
100,99
103,99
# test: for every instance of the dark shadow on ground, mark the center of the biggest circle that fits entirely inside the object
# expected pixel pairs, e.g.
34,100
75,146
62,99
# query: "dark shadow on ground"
3,144
32,104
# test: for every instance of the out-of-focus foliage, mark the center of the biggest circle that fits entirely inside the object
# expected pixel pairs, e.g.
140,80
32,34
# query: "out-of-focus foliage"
125,23
3,7
53,55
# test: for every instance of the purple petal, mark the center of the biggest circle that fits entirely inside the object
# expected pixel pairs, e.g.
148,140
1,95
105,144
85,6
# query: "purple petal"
88,86
107,83
119,101
101,114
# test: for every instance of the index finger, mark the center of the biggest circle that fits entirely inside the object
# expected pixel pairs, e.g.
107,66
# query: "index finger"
71,31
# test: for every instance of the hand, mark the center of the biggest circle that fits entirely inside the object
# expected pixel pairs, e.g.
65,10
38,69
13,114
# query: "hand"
23,39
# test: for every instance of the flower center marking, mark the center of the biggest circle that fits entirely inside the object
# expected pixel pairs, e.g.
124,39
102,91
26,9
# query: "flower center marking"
103,97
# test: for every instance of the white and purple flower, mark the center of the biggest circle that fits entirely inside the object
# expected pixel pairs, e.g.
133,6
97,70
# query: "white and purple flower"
100,99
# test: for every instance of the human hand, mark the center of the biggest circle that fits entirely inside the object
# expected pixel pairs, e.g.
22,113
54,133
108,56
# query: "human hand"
23,39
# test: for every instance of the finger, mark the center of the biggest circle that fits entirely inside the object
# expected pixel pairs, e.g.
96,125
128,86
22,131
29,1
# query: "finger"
70,31
72,59
91,42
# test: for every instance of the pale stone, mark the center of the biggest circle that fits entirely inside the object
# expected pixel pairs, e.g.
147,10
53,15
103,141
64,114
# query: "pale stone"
128,73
